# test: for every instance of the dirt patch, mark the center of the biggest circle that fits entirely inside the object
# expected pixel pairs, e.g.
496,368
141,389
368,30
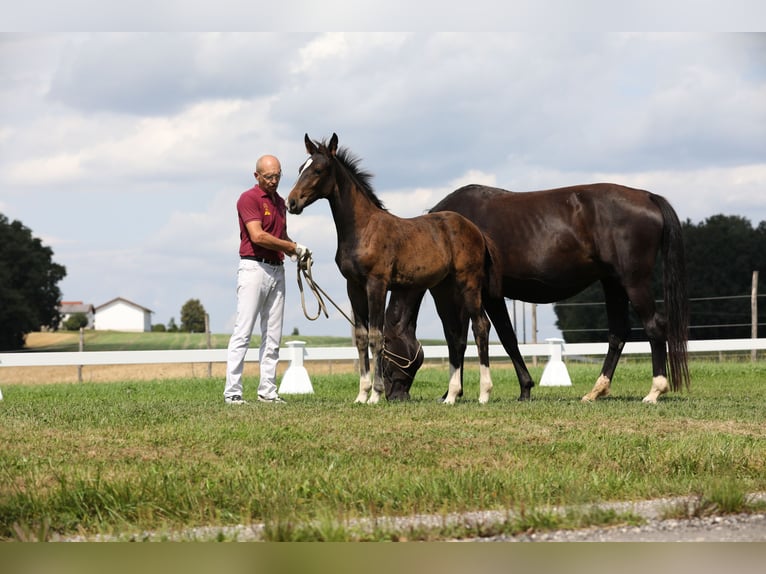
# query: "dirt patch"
47,339
116,373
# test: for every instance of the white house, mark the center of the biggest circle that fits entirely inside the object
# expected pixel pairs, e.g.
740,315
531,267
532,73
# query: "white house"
69,308
122,315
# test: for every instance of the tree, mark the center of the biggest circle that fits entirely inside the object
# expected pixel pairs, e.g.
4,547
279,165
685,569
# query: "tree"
29,292
582,318
76,321
722,252
172,326
193,317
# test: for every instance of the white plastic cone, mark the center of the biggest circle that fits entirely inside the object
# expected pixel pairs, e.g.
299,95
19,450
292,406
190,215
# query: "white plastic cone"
296,379
555,373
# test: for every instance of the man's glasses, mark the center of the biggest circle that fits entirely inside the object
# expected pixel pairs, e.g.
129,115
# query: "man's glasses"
271,176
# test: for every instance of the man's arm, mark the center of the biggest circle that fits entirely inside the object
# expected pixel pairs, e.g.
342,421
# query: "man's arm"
264,239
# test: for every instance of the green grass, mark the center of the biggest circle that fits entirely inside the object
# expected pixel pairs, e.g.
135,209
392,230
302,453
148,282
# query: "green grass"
122,458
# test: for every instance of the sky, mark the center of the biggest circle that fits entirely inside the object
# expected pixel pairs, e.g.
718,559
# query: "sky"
126,152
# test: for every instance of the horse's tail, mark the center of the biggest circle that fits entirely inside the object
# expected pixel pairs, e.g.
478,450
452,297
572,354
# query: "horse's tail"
675,294
492,273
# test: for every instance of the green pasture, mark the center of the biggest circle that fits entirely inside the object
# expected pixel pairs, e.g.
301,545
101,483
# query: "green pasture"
126,458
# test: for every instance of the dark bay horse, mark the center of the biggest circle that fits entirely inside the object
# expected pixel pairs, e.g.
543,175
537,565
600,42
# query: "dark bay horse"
380,252
554,244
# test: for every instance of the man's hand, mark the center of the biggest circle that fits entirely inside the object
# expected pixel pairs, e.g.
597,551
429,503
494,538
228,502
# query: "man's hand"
301,253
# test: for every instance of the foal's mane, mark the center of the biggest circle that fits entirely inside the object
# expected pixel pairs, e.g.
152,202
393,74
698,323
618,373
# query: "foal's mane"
362,178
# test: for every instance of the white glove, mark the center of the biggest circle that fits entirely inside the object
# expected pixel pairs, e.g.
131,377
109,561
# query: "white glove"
301,253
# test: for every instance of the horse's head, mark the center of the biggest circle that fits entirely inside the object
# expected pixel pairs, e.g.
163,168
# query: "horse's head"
401,359
315,176
402,352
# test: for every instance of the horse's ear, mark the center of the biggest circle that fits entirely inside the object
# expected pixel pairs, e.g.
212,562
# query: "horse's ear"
311,148
333,144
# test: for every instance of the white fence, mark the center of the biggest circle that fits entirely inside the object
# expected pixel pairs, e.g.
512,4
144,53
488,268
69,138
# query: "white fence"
545,350
296,378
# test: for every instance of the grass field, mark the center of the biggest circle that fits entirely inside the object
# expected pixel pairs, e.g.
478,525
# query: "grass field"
128,457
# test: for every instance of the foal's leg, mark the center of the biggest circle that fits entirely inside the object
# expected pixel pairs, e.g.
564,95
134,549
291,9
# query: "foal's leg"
454,319
480,325
498,314
617,312
376,301
361,337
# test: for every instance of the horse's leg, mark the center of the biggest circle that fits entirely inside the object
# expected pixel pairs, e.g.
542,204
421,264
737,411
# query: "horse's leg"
454,319
358,300
376,304
655,326
617,312
498,314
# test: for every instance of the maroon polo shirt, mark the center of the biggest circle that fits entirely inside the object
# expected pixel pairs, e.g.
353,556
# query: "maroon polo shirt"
255,204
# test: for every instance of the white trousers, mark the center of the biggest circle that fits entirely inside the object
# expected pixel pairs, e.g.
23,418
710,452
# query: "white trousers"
260,292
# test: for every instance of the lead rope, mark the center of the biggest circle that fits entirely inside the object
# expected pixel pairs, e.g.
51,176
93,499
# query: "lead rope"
304,268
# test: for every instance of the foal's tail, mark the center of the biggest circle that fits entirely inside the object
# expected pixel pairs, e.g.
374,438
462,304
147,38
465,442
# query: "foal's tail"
675,294
494,278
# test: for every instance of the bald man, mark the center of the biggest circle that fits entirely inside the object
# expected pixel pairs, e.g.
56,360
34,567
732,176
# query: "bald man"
260,281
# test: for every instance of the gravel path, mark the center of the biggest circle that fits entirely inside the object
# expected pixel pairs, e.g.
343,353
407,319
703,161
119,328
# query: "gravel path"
724,528
731,528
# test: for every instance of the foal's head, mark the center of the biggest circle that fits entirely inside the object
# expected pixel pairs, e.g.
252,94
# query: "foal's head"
321,173
315,179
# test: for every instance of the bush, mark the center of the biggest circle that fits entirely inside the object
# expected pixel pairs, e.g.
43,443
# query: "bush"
76,321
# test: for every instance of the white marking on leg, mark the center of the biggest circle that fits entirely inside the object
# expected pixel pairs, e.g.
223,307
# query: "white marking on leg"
600,389
659,387
485,384
454,385
374,396
365,384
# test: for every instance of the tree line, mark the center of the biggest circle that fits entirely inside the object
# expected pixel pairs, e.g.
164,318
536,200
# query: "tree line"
721,254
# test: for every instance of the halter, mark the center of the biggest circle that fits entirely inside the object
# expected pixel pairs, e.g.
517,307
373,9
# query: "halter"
407,362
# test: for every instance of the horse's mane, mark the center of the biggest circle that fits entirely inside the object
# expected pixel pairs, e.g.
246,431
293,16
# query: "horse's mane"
362,178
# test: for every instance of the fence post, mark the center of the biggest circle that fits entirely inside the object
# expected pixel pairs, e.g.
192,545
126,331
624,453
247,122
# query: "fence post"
209,346
296,380
81,347
754,313
555,373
